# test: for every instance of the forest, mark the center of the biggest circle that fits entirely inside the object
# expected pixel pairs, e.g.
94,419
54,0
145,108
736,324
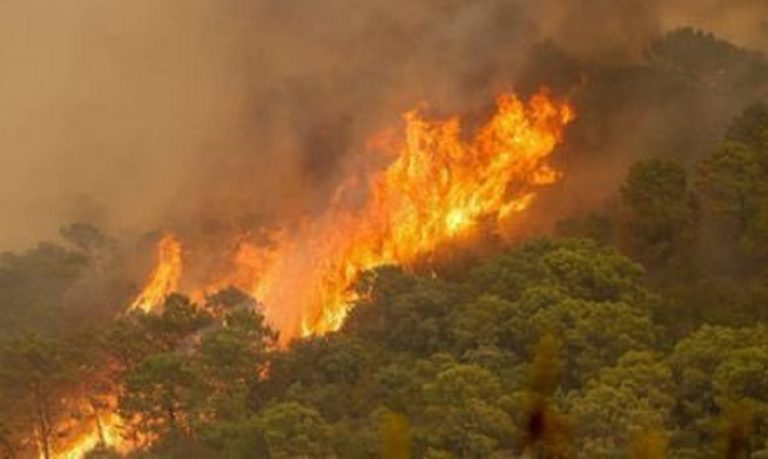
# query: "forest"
634,327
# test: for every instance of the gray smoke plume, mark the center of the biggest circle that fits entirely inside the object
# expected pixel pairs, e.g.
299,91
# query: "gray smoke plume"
202,115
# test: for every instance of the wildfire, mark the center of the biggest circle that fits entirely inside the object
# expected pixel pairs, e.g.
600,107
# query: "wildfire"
164,278
105,428
437,188
105,431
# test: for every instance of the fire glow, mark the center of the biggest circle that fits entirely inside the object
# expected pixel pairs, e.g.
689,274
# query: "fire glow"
436,188
164,278
105,429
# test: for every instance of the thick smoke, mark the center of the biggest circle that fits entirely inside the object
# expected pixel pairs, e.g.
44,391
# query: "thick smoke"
615,30
207,115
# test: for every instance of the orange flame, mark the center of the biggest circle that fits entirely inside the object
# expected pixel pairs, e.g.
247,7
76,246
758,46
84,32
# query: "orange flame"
104,429
436,189
164,279
107,434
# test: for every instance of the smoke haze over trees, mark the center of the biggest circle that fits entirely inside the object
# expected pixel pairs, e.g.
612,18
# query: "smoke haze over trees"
625,318
146,114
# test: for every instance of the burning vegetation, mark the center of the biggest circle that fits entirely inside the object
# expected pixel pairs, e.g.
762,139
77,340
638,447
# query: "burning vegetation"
164,279
572,272
437,187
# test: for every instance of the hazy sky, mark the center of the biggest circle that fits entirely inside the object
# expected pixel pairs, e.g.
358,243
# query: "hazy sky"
137,113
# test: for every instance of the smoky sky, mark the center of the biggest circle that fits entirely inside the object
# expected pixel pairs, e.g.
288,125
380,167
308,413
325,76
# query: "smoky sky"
148,114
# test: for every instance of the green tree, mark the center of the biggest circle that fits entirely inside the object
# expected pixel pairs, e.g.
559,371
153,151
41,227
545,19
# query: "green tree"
489,321
589,296
734,181
398,383
591,273
705,59
36,378
328,373
718,367
463,416
731,180
232,359
180,319
404,312
621,403
133,338
160,396
236,439
594,335
659,214
750,127
293,430
33,285
576,268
